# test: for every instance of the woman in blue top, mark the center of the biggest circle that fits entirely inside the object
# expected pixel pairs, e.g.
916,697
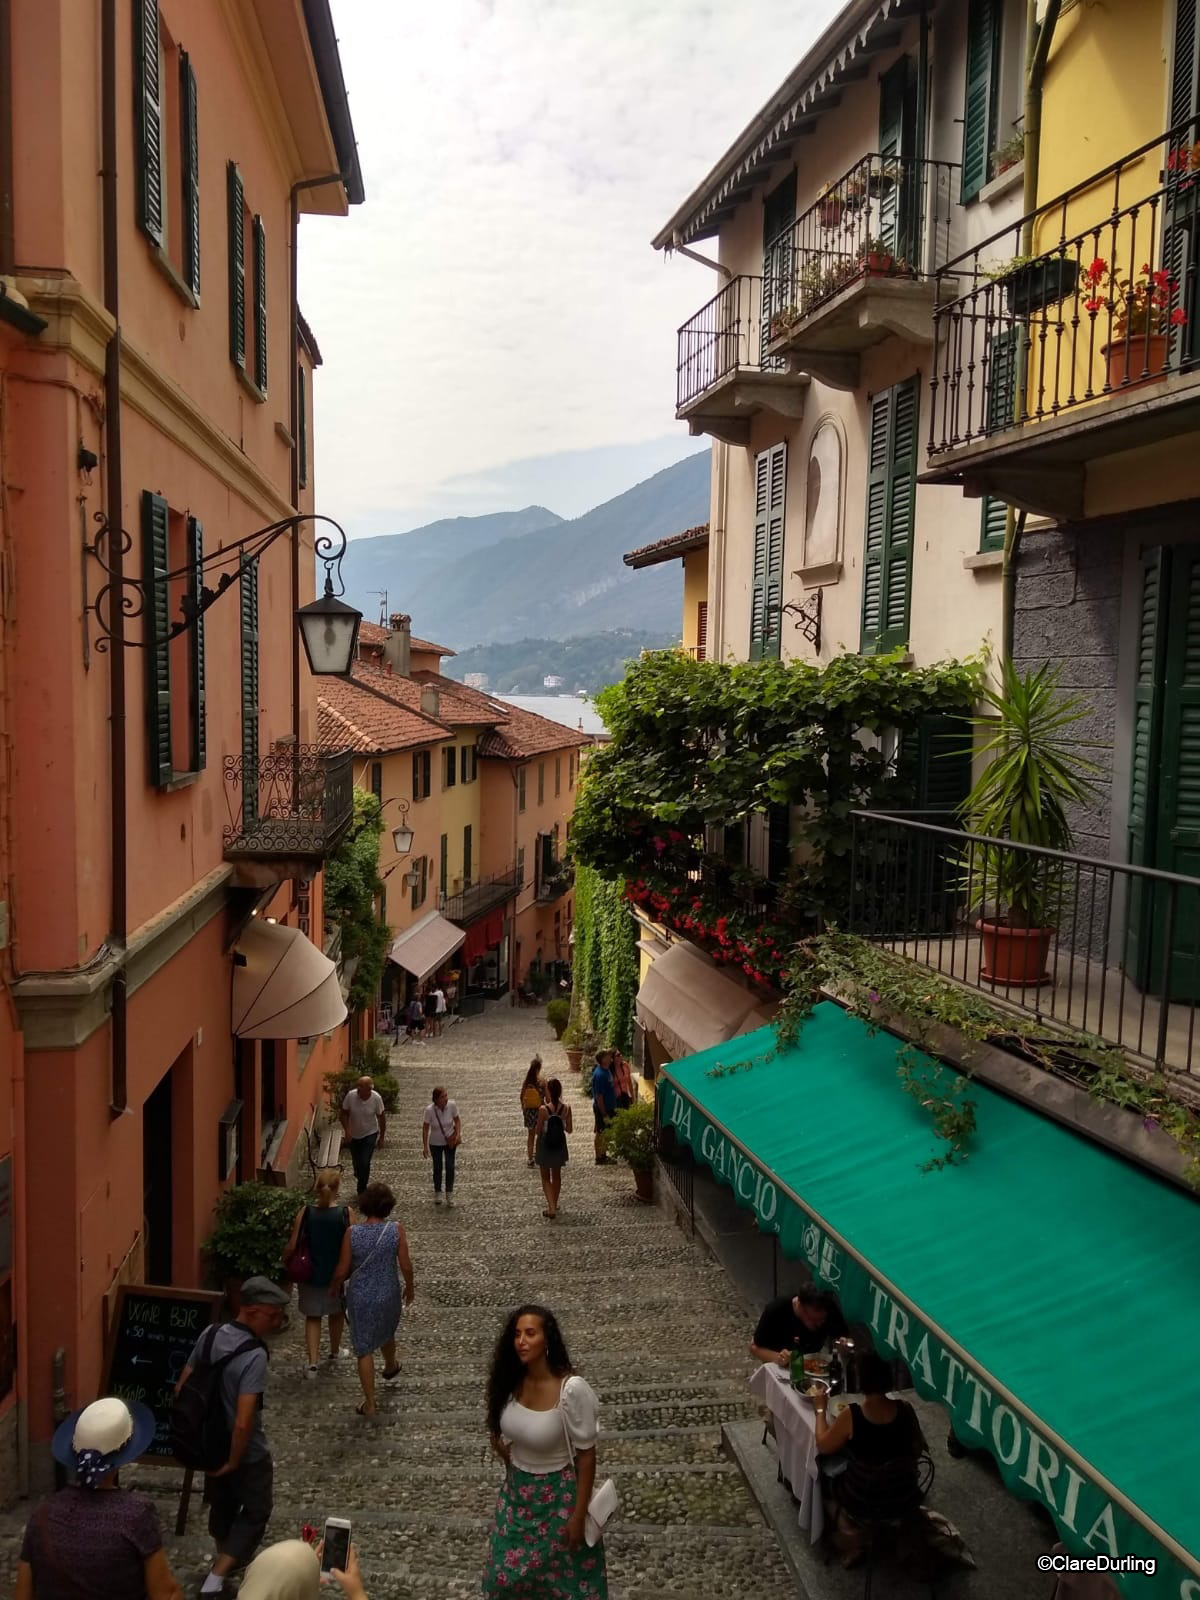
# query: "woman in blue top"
324,1225
374,1257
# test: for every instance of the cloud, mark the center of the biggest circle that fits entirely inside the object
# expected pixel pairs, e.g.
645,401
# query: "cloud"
497,299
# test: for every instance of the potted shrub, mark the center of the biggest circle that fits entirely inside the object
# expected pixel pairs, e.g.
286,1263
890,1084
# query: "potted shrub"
830,205
578,1041
251,1224
874,257
783,321
1142,312
339,1084
1022,796
631,1139
558,1014
1008,154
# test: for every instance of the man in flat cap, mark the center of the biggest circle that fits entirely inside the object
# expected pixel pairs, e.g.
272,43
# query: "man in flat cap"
240,1492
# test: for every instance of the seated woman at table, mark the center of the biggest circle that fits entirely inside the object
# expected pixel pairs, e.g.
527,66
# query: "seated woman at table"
805,1321
882,1441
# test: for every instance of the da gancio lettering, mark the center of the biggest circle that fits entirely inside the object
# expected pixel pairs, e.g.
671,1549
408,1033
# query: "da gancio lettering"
751,1185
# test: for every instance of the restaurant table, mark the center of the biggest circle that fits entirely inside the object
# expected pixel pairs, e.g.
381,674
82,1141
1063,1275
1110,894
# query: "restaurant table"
796,1442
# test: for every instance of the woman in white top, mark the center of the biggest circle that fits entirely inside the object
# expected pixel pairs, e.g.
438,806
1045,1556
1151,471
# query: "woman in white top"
441,1134
542,1423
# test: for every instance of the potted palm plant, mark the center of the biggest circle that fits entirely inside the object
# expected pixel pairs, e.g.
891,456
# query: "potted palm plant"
631,1139
1023,796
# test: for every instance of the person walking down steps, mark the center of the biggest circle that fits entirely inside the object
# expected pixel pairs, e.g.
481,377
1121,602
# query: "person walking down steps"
441,1135
533,1092
364,1123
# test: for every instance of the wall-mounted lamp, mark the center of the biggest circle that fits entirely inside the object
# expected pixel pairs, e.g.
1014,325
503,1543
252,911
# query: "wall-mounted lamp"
402,835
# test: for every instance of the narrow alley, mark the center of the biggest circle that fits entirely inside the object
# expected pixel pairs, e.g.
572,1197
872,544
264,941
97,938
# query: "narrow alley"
649,1320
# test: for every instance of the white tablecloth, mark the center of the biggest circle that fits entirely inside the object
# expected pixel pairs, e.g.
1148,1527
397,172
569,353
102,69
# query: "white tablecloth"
795,1438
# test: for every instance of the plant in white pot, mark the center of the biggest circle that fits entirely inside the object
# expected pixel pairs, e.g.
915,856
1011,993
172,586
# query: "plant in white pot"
1022,796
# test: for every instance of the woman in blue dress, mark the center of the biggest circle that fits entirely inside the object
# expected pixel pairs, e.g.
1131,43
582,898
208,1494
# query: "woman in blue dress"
374,1258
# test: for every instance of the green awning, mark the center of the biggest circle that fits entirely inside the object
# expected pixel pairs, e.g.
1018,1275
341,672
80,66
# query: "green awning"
1045,1291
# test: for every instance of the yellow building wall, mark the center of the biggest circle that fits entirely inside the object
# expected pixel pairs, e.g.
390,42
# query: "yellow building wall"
424,818
460,808
695,594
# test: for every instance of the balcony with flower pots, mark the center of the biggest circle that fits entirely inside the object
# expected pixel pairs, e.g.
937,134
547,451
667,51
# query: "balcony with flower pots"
1051,360
858,266
723,378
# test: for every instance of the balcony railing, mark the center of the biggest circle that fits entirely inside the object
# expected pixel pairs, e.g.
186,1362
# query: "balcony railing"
295,803
888,217
1119,952
1106,305
725,336
553,880
485,895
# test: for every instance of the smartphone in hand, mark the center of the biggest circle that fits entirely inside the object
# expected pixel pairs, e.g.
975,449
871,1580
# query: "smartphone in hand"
335,1553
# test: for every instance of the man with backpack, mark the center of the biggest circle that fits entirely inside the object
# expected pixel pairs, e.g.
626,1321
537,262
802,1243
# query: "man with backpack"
604,1102
216,1426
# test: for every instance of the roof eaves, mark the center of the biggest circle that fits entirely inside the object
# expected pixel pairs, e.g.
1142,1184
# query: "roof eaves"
672,548
323,39
307,341
817,72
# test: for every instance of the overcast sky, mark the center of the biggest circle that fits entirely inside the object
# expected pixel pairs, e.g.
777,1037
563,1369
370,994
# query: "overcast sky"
496,301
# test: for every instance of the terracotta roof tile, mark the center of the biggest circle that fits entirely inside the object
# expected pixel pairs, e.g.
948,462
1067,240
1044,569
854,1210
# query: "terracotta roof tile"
668,549
458,706
349,714
526,734
372,633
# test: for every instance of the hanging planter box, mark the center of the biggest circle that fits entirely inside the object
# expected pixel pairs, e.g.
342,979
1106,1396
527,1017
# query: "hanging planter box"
1040,284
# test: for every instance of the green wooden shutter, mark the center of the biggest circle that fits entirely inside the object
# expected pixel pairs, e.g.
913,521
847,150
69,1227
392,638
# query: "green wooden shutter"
416,775
444,864
237,267
943,776
891,505
773,607
260,305
980,99
1003,348
302,424
377,779
1144,759
195,557
250,695
993,519
1185,64
156,566
467,856
758,580
147,89
190,167
897,205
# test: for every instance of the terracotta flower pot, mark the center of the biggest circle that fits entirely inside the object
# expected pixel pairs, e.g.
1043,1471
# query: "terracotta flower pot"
1014,957
878,265
574,1057
644,1182
831,211
1140,359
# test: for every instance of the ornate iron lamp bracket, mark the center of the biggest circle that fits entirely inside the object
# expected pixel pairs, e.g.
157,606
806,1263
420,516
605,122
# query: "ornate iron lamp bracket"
127,597
808,618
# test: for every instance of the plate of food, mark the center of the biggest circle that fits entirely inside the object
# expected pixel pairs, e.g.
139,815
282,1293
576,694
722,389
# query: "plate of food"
816,1366
812,1389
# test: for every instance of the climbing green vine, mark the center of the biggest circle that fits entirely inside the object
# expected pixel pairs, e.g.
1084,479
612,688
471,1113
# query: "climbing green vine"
606,962
352,886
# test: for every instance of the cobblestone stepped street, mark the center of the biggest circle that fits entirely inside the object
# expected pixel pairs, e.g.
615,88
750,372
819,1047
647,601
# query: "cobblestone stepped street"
649,1320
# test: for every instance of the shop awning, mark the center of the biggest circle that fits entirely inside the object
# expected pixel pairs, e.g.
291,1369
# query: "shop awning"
1025,1288
422,948
283,986
690,1004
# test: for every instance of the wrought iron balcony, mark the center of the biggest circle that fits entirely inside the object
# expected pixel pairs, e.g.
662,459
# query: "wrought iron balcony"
1090,346
485,895
292,805
553,880
1113,950
858,266
722,375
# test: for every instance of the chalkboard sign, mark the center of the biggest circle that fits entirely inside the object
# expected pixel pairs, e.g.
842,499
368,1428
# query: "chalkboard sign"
152,1335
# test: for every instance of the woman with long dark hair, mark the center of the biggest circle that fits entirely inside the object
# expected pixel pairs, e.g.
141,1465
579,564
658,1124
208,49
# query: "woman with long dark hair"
550,1144
542,1422
533,1092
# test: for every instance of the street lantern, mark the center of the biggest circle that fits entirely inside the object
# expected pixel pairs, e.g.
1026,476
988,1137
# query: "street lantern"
413,876
402,834
329,628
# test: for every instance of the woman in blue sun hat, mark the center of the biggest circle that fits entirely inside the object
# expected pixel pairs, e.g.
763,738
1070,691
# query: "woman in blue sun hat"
92,1526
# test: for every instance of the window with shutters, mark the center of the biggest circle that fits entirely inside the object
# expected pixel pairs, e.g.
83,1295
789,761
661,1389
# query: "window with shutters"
449,767
250,689
891,504
981,99
469,763
521,789
422,774
166,149
557,776
701,630
377,779
521,867
302,424
572,768
247,287
541,781
444,864
467,862
421,888
766,588
172,553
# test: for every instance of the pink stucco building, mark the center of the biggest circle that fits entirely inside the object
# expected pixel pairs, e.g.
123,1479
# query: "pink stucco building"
154,372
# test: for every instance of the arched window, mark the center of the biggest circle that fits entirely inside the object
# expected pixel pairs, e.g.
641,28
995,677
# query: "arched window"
823,509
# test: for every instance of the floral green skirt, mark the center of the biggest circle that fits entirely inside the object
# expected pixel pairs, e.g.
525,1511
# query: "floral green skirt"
529,1557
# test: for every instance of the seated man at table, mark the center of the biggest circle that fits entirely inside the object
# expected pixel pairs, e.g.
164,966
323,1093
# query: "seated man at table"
804,1321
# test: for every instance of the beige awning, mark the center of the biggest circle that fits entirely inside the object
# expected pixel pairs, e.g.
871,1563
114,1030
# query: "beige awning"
283,986
690,1004
422,948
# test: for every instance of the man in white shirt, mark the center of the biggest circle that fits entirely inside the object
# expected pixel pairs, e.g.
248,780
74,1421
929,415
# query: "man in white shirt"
364,1123
439,1003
